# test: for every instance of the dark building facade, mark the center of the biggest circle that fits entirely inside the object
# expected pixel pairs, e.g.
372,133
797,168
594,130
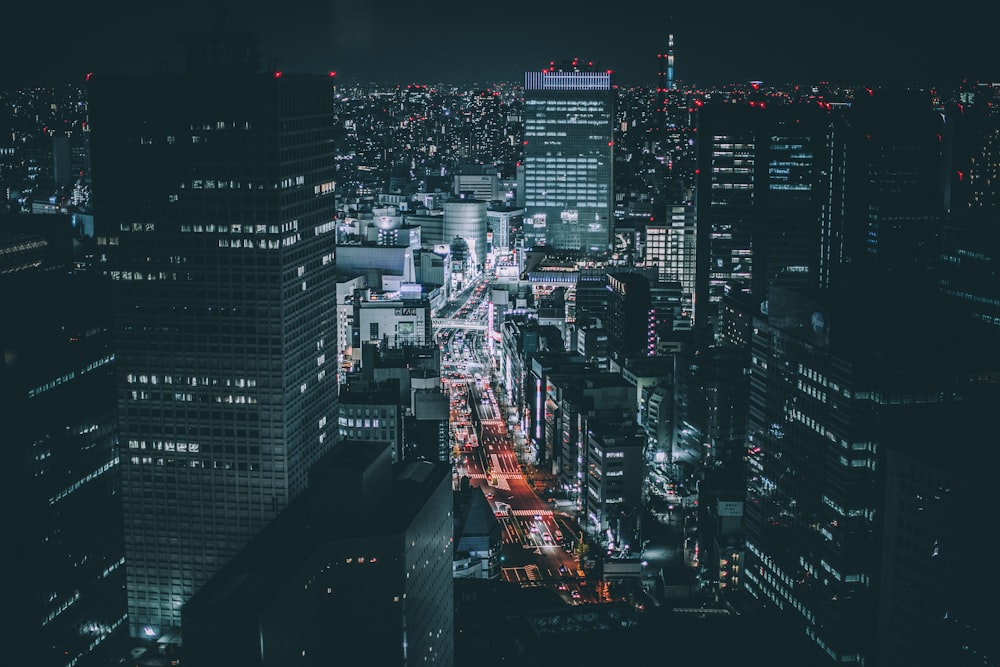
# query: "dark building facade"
360,565
628,325
759,191
835,380
63,549
217,234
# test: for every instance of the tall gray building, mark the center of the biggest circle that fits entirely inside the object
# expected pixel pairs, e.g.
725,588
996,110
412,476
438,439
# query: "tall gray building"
216,230
568,161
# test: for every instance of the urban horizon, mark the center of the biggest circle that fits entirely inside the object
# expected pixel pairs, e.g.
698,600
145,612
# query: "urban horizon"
552,368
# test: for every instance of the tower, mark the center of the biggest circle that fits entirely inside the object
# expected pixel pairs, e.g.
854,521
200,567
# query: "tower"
568,161
216,232
759,199
670,62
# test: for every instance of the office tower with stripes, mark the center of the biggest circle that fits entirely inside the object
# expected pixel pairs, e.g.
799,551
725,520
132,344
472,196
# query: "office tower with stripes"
214,193
568,161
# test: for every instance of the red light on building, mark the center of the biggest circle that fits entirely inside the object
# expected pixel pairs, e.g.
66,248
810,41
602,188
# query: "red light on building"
525,142
332,74
611,143
277,75
89,74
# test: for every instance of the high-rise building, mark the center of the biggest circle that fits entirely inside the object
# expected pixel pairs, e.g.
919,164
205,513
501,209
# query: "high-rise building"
64,599
883,211
833,389
568,161
758,198
361,564
628,315
671,246
216,231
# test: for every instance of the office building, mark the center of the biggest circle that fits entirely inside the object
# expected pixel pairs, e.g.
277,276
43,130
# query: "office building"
568,162
371,412
629,304
760,187
886,196
615,472
833,388
64,600
360,565
216,233
671,247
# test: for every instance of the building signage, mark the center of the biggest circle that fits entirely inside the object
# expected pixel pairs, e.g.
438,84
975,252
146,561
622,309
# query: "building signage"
406,311
730,508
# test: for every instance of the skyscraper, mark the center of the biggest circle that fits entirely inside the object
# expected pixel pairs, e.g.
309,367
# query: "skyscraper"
216,231
834,394
759,197
568,162
60,489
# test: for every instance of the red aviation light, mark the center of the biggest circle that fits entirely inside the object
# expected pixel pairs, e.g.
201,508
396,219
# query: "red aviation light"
277,75
89,74
332,74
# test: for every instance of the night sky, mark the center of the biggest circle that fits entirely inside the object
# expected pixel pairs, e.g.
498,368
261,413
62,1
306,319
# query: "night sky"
430,41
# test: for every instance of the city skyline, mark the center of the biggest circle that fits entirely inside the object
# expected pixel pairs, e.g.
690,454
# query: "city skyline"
549,365
444,41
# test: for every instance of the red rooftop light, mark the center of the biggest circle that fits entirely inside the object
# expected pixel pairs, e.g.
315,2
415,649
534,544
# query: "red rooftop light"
277,75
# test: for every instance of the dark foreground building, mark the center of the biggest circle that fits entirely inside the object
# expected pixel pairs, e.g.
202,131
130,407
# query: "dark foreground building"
866,415
60,486
361,565
215,193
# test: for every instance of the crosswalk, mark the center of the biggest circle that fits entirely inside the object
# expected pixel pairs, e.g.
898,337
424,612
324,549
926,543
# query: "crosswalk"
496,475
531,512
